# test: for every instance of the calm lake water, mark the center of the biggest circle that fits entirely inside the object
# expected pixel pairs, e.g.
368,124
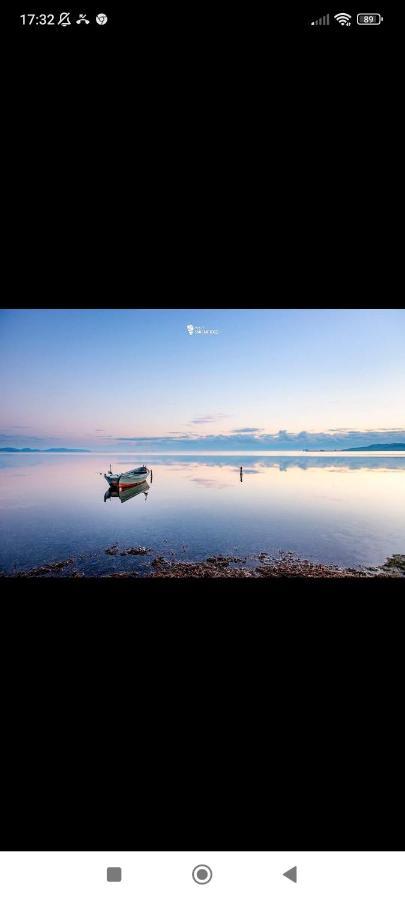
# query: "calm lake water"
343,509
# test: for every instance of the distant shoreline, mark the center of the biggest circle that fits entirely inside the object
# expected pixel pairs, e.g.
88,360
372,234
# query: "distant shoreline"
40,450
398,447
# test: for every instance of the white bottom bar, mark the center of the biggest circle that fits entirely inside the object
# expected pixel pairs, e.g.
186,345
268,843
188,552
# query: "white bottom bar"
236,876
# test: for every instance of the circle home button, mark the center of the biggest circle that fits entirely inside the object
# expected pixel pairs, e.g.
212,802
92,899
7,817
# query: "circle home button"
202,874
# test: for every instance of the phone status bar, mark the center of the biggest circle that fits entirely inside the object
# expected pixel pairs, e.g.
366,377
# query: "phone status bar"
344,20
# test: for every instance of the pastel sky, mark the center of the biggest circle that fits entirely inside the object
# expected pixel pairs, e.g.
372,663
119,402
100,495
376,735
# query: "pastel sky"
270,379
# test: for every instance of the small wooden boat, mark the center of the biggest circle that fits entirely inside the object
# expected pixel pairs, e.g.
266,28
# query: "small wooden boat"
127,479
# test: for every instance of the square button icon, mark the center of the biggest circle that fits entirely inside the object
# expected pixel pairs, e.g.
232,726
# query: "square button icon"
114,873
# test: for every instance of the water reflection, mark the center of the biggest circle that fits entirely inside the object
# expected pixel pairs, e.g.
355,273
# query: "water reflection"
125,494
211,483
345,510
253,464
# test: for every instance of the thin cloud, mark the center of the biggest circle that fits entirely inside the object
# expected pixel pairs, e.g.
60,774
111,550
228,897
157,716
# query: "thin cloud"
202,420
142,438
20,437
245,430
368,430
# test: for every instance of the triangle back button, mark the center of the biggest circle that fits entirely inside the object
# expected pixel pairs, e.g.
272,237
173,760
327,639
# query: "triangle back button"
291,874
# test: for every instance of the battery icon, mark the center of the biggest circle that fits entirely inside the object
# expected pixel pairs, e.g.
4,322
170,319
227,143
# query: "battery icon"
369,19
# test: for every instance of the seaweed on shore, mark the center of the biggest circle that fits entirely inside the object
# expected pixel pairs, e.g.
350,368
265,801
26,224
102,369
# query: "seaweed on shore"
397,561
129,551
224,560
40,571
135,551
286,565
122,575
213,567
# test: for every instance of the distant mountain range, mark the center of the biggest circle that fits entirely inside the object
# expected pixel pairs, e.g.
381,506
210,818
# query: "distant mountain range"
380,447
316,450
50,450
352,449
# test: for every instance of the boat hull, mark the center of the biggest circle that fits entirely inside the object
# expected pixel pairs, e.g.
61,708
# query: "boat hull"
129,479
125,494
112,479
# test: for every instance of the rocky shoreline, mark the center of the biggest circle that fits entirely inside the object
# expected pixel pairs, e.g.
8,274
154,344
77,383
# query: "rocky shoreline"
286,565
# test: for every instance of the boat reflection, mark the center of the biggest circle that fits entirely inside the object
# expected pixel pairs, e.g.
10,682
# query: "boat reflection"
127,493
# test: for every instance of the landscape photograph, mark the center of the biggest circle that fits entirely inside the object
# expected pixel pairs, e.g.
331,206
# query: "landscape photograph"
202,443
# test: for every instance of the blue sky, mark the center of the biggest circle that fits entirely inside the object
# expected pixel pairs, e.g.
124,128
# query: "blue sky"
269,379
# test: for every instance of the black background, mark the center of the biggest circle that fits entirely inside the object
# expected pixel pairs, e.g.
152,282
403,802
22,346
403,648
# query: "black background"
173,135
202,716
197,156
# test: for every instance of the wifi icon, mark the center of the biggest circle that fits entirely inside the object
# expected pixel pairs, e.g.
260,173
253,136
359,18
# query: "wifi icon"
343,18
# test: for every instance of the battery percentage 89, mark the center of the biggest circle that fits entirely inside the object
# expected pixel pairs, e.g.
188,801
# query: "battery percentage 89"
369,19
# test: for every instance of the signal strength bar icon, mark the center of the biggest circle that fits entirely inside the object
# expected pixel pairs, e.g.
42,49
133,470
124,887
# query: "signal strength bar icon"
324,20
